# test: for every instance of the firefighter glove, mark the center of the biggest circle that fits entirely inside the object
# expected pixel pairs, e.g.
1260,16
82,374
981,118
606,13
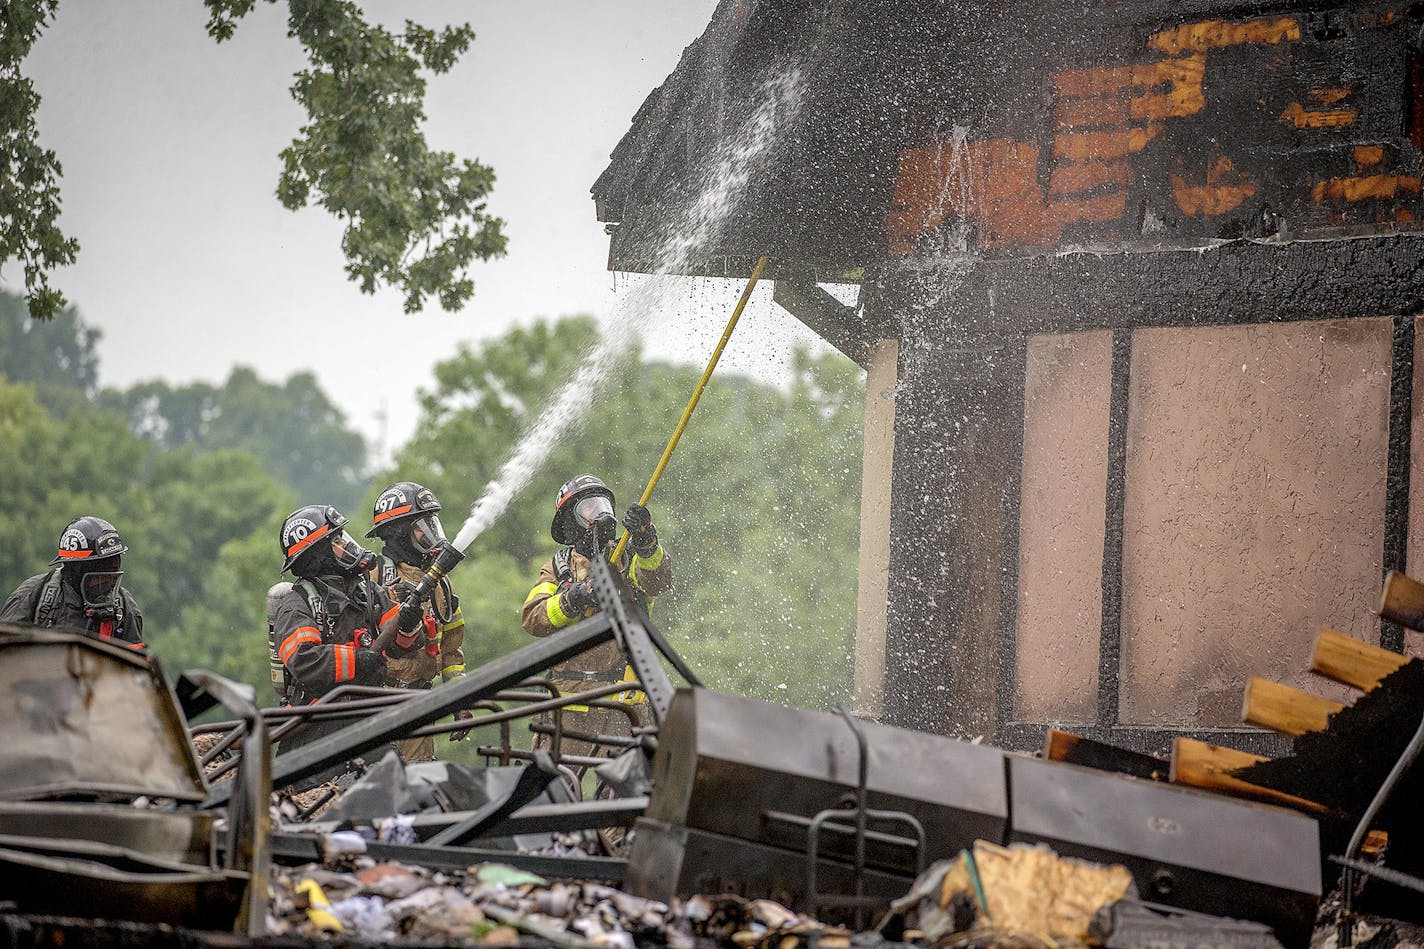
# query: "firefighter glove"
462,715
578,598
370,667
411,613
642,535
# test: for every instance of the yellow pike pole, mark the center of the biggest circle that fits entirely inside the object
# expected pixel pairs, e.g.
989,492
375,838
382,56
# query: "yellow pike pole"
696,394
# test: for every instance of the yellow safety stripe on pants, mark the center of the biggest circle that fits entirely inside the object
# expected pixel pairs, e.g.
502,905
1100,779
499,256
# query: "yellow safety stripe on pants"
542,589
627,697
452,672
457,619
650,562
631,696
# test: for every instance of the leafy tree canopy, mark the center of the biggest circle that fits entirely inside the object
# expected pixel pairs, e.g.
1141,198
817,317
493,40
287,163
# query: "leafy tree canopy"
58,357
196,525
414,218
301,438
29,173
291,427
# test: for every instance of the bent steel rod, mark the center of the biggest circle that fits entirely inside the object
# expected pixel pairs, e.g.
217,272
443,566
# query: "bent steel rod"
424,708
523,711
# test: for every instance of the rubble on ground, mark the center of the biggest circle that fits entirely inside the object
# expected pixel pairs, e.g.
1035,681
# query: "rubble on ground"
494,905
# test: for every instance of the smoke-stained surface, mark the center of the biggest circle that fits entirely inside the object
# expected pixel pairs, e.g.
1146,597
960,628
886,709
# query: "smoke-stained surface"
1075,537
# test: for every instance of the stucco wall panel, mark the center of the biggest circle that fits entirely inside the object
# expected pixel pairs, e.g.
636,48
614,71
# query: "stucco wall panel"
1256,461
1067,387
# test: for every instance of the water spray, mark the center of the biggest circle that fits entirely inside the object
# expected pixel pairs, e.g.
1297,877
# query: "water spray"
696,395
729,171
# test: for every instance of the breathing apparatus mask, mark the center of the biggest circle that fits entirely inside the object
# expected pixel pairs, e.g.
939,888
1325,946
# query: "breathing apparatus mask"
596,526
350,557
417,542
97,583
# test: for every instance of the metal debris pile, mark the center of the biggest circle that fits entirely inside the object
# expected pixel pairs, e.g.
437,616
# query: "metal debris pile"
498,905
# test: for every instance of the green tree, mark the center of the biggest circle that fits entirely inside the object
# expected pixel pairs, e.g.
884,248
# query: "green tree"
301,438
58,357
759,505
29,173
415,219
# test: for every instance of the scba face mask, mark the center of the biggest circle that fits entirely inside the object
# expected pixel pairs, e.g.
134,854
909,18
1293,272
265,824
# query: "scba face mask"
96,588
350,557
595,524
426,534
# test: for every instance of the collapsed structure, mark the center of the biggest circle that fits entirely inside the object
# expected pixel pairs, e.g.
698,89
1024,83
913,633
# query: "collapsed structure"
1138,287
789,811
1137,306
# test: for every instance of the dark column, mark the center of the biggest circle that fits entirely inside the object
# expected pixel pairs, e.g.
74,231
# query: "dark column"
958,428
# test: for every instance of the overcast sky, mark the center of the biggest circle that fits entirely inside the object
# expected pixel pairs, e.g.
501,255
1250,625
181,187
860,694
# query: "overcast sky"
189,265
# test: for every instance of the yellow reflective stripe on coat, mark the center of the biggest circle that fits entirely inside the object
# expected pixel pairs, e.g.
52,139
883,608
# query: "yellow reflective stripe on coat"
541,589
556,615
650,562
458,619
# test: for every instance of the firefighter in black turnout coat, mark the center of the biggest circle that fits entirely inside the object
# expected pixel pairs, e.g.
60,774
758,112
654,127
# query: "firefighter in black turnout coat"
82,592
335,626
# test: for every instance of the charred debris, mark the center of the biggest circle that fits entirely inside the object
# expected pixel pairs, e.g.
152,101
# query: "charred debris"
728,821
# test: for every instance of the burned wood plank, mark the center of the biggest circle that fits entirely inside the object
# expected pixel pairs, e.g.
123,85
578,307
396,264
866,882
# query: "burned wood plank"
1352,661
1402,600
1197,764
1284,709
1075,749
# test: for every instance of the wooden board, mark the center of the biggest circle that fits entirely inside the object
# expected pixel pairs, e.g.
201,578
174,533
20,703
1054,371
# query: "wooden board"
1197,764
1352,661
1402,601
1279,707
1075,749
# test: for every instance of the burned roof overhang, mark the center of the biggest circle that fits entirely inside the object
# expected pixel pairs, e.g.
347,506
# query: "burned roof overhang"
1227,131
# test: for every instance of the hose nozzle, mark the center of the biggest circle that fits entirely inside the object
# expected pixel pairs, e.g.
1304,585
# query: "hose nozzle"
447,556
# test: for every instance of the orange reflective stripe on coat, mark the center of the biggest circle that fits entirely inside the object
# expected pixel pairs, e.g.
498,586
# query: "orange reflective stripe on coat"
306,634
345,657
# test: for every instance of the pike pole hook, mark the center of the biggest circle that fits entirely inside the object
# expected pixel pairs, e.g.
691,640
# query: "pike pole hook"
696,394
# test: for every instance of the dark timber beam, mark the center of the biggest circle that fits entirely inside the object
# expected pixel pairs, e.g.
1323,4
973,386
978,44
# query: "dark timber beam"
822,314
958,428
1236,283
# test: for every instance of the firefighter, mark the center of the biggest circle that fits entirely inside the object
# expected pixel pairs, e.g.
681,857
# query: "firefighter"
584,523
406,518
82,592
335,626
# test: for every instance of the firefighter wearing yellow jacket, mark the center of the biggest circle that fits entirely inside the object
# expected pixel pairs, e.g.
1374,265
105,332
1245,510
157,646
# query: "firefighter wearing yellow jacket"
584,523
406,517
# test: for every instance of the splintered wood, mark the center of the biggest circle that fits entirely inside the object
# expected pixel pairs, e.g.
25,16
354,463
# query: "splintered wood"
1284,709
1402,600
1198,764
1032,891
1075,749
1346,659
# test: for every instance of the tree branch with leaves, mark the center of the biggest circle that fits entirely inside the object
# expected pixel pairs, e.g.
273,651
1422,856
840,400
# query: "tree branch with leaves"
415,219
29,174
